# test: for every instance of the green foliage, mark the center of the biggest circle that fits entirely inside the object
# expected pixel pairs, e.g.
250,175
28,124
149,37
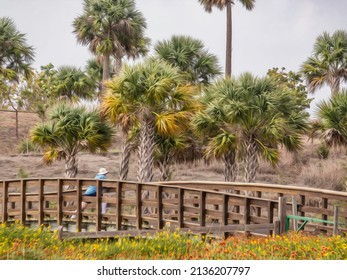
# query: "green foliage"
69,131
19,242
191,57
323,151
328,63
26,146
22,173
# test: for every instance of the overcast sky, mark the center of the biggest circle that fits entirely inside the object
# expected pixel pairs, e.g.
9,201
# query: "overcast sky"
277,33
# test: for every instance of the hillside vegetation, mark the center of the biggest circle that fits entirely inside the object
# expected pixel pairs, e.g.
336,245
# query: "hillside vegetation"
309,168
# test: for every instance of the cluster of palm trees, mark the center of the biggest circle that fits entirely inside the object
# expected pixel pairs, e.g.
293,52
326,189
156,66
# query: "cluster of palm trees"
175,106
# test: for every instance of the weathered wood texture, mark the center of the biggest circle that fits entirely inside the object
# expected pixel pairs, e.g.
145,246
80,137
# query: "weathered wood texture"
199,207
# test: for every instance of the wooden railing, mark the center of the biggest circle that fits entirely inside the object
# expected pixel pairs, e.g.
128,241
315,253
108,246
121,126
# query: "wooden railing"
137,208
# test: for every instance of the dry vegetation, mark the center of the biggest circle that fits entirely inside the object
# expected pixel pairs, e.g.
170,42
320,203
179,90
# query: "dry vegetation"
308,169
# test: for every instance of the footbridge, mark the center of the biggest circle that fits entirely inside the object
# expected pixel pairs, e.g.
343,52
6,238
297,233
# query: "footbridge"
213,208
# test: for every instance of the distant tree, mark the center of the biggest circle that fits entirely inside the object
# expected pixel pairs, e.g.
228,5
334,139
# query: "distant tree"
332,119
191,57
16,57
111,28
73,84
227,4
328,63
70,131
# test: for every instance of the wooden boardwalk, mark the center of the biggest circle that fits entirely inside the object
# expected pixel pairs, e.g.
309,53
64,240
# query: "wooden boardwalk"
213,208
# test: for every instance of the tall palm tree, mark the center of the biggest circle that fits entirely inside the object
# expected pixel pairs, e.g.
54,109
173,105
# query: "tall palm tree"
190,56
70,131
328,63
227,4
72,84
111,28
157,94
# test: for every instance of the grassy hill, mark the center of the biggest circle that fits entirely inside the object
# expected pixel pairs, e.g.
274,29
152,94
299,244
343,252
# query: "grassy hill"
307,169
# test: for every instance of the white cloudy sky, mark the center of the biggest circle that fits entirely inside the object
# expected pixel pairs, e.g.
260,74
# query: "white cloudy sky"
277,33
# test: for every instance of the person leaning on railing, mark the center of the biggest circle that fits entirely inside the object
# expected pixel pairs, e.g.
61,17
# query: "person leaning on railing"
91,191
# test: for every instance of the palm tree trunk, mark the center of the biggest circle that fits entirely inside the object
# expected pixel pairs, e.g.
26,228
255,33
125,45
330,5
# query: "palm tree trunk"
70,167
70,170
228,49
146,150
124,164
251,165
164,168
105,71
230,167
117,65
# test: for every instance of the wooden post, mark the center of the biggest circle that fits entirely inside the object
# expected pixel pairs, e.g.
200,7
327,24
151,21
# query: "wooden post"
336,220
325,206
225,213
258,209
22,202
138,207
247,214
78,206
180,208
160,208
271,206
119,206
4,201
98,205
295,213
40,214
60,203
282,214
202,209
303,201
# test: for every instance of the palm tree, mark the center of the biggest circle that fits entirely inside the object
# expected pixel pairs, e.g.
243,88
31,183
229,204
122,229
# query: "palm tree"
157,94
190,56
256,116
332,120
111,28
328,63
221,4
72,83
212,125
16,55
70,131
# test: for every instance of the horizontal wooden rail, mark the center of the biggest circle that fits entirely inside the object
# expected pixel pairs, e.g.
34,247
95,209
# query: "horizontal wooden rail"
200,207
